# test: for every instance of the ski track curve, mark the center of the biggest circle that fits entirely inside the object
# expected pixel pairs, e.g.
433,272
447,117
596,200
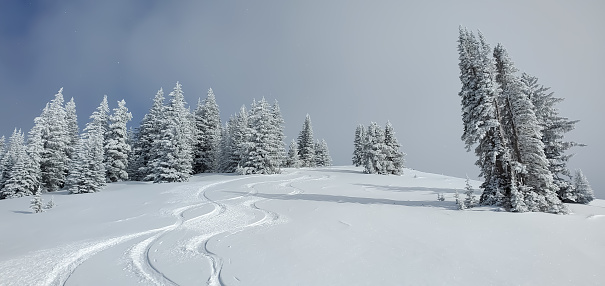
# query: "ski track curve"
139,253
59,263
199,245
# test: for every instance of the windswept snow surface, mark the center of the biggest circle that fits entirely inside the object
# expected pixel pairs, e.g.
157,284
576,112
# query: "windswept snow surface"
329,226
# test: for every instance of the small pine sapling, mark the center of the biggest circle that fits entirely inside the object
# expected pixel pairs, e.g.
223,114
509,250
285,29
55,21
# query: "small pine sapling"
36,204
460,203
470,200
440,197
51,204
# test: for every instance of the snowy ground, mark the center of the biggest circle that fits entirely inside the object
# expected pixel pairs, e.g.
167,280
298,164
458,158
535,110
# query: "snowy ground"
333,226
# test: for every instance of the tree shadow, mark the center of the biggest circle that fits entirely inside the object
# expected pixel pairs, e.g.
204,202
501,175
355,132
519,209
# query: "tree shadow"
23,212
353,200
411,189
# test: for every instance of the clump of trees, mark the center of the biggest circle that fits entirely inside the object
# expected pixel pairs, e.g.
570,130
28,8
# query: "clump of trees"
170,144
378,150
306,152
516,129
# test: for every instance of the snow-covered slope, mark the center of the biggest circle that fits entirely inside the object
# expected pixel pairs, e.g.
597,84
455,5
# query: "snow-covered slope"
333,226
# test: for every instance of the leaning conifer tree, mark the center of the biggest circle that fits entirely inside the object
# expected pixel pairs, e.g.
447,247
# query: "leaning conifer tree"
553,128
533,176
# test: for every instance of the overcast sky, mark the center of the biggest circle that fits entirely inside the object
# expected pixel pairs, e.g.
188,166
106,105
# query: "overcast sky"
343,62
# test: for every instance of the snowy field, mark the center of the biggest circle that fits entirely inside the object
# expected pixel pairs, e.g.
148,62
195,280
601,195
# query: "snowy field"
332,226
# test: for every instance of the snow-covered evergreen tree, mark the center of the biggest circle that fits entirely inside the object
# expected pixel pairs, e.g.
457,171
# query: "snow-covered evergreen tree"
263,155
394,156
582,190
306,144
207,135
36,204
117,148
525,139
241,142
17,177
358,145
146,136
480,116
88,172
553,128
55,137
322,154
293,158
73,131
278,139
172,149
470,199
374,159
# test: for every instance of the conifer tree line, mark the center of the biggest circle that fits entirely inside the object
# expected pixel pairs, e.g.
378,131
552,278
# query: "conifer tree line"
170,144
517,132
378,150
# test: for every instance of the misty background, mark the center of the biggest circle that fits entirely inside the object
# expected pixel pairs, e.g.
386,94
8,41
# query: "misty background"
343,62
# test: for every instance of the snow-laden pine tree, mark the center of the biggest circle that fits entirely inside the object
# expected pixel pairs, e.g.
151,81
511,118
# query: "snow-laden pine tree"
55,137
524,137
394,155
35,148
306,144
241,142
470,200
322,154
481,118
36,204
88,172
374,159
73,131
263,155
278,140
553,128
172,149
583,192
293,160
207,135
358,144
116,145
146,136
18,180
228,159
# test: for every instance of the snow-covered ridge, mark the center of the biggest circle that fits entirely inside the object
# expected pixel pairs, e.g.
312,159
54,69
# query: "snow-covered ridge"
330,226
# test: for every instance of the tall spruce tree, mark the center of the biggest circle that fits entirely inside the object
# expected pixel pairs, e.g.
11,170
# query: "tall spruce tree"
117,147
207,135
358,144
293,160
146,136
88,171
306,144
55,137
394,156
528,158
322,154
17,180
553,128
583,192
172,148
73,131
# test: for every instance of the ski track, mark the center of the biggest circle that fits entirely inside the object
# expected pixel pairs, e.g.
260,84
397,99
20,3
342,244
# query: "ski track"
56,265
